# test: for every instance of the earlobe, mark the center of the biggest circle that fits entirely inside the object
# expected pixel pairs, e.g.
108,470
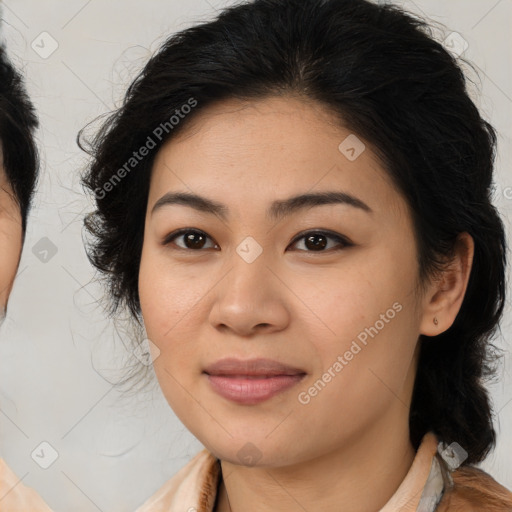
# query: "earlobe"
446,293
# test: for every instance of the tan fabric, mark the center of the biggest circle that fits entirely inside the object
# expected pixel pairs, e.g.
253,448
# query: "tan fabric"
408,494
475,491
194,488
17,497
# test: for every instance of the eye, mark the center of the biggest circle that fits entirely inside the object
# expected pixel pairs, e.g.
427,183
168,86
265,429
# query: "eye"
192,239
314,241
317,241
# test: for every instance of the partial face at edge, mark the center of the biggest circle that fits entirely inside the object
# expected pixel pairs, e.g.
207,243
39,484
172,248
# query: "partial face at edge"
11,235
304,302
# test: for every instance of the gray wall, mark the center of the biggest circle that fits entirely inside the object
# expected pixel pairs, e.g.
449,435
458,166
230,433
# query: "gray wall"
56,350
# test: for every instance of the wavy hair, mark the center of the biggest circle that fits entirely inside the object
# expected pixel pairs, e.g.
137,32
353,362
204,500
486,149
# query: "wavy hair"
18,122
382,72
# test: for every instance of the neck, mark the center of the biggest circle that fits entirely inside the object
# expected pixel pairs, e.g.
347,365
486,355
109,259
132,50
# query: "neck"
378,459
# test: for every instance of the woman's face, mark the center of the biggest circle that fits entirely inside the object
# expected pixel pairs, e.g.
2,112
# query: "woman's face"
10,237
267,278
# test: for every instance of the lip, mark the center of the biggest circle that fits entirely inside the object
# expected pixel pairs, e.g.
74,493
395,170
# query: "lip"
251,381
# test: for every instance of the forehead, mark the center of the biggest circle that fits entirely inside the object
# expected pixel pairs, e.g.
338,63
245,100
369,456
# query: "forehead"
252,152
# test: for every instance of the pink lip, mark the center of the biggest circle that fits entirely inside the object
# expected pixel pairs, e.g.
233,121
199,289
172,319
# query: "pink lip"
251,381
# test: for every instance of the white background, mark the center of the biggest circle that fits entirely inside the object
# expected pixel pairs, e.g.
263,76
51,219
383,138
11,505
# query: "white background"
57,348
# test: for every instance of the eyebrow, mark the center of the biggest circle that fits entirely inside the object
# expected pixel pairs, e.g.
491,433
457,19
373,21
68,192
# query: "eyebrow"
277,210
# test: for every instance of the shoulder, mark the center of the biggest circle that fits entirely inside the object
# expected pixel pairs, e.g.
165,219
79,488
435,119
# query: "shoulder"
17,497
475,490
192,487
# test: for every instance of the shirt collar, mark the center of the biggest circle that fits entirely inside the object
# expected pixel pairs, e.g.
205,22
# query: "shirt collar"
195,486
423,486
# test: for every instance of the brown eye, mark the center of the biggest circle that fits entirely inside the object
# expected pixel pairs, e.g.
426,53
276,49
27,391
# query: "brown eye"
317,241
314,241
191,239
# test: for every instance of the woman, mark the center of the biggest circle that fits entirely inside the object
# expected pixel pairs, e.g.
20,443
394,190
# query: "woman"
18,176
18,171
295,200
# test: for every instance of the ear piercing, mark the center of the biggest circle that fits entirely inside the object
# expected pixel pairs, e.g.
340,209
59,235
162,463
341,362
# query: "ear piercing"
436,321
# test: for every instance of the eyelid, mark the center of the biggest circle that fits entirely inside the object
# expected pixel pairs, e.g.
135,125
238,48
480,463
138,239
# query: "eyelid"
341,239
179,232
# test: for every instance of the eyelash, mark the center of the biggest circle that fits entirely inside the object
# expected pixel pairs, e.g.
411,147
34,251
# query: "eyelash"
328,234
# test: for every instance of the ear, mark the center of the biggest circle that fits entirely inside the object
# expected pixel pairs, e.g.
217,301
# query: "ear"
446,293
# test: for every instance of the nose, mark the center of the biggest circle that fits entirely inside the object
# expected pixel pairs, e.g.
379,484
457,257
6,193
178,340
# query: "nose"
250,299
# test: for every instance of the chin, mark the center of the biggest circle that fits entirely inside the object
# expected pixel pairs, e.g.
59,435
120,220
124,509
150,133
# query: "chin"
250,449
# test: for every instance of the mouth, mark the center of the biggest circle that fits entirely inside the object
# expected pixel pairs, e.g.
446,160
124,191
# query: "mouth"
251,381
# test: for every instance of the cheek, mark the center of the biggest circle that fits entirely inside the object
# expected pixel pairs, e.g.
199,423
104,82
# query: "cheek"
167,299
370,311
166,293
364,371
172,299
10,251
357,295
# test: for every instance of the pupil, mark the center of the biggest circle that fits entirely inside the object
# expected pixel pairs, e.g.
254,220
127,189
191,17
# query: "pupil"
194,240
315,243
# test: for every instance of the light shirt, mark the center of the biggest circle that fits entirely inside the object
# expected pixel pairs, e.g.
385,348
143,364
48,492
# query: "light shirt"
194,487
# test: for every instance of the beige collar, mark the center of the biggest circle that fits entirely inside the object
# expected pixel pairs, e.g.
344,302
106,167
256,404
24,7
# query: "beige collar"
408,495
194,487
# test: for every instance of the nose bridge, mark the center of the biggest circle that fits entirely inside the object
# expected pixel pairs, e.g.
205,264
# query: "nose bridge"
248,296
250,250
249,273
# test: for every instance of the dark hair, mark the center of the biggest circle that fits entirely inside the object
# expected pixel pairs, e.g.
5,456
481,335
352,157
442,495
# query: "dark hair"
380,70
18,122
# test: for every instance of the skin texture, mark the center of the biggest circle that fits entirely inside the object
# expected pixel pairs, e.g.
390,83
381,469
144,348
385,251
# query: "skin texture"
15,496
11,236
294,304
